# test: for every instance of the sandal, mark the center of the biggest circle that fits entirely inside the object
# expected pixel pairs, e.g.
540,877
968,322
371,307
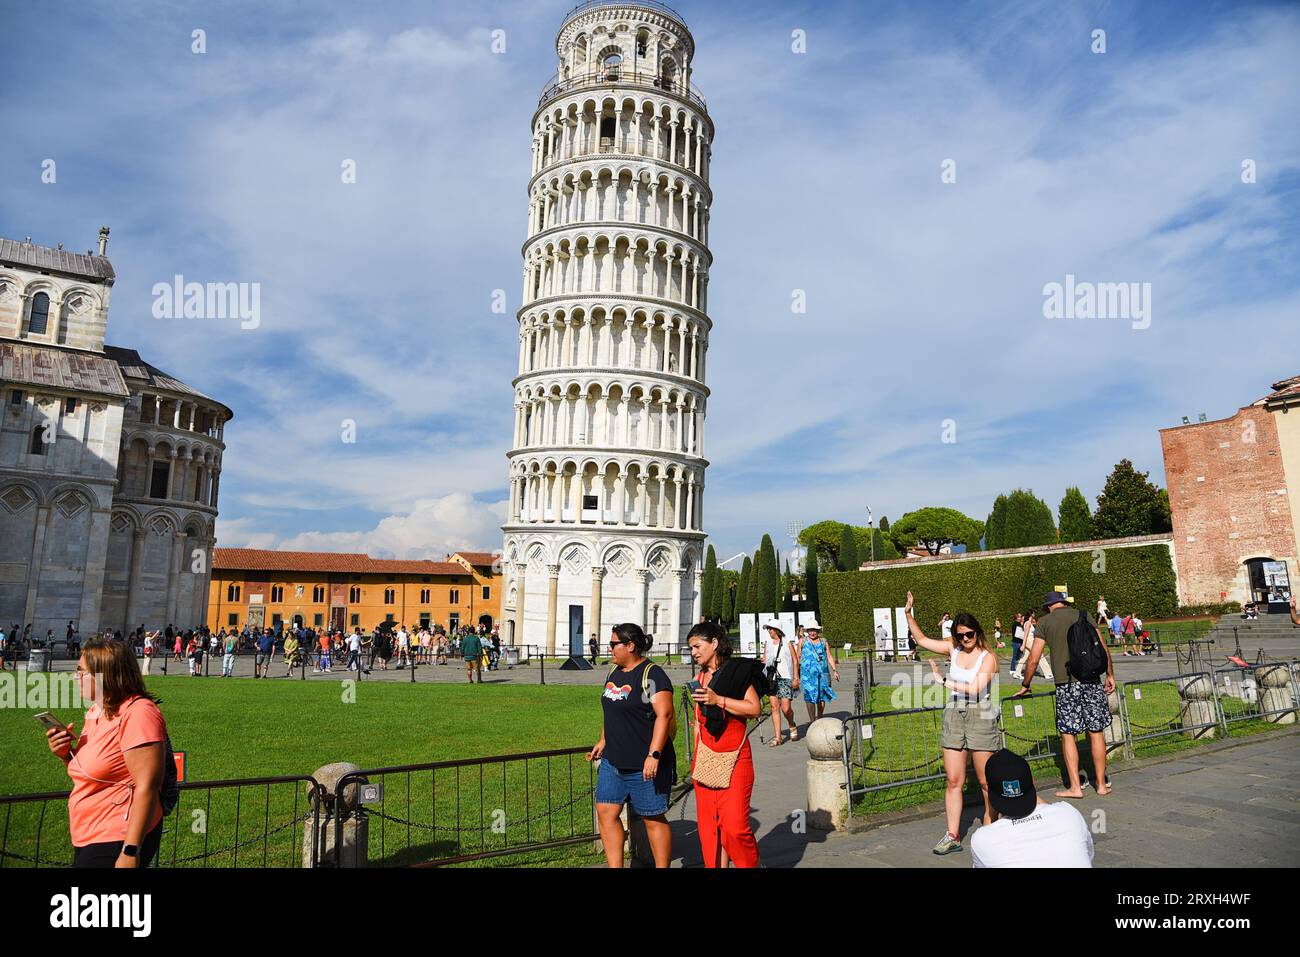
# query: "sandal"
774,743
794,734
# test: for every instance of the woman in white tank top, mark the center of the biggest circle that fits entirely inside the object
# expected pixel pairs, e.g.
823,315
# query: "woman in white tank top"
970,718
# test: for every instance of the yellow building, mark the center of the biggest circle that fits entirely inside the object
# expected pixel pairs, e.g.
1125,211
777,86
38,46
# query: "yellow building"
344,590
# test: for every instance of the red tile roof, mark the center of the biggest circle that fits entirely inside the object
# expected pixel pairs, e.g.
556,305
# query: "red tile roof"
354,563
478,558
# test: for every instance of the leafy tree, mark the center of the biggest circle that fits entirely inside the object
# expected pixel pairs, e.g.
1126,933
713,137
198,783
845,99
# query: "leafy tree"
848,551
932,528
1075,517
972,542
1129,504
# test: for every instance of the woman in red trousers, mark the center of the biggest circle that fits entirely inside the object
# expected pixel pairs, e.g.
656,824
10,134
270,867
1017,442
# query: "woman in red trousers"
724,700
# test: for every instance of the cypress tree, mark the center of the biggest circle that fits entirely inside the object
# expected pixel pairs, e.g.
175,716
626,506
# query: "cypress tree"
1075,518
995,528
848,557
769,584
752,603
810,581
708,584
742,589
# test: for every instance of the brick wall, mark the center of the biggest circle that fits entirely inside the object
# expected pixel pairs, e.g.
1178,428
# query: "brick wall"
1228,495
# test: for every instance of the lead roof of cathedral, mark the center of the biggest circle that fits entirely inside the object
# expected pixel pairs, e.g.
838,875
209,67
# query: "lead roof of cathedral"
84,265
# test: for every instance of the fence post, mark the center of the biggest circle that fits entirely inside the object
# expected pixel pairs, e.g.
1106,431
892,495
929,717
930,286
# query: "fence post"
1199,702
542,659
341,833
828,799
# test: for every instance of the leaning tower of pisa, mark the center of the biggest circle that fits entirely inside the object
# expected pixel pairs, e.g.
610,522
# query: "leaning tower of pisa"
606,511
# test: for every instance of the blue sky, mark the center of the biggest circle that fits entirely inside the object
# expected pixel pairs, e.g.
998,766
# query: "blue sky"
924,298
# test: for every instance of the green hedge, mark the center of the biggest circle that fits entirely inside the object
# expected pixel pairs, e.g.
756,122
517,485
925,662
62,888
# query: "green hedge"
1137,579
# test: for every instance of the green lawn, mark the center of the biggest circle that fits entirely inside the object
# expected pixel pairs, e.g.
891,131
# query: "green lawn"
241,728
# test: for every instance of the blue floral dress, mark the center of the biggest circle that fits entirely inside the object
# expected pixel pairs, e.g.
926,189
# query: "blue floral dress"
815,672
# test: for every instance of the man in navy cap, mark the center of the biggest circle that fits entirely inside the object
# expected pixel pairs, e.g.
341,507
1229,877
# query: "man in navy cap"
1029,832
1081,700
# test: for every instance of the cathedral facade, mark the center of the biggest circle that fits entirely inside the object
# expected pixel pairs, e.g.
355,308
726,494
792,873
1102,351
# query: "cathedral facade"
109,467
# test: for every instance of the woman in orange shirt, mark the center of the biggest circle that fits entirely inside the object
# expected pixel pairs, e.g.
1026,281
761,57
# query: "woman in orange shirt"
116,763
725,698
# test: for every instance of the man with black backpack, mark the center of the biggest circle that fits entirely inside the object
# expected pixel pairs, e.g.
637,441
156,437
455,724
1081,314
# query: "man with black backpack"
1085,677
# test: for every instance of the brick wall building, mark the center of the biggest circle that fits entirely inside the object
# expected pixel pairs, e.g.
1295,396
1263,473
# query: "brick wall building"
1234,493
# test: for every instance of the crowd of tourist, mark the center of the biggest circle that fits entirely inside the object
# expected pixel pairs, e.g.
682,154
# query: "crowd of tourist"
124,734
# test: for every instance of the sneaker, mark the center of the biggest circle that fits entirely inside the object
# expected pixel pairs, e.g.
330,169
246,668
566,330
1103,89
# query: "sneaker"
947,844
1017,674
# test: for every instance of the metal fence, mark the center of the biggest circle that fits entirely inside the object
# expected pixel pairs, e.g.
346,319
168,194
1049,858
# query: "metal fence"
450,812
251,822
1265,692
1171,705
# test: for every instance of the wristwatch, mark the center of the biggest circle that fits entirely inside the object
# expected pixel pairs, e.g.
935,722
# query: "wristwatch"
130,850
656,754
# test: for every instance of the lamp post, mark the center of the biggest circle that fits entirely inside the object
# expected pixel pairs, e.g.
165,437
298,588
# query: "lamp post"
871,534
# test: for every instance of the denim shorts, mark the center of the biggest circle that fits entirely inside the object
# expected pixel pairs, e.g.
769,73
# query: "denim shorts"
649,798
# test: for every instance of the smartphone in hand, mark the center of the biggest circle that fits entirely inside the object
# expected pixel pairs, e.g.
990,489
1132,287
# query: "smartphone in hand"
49,722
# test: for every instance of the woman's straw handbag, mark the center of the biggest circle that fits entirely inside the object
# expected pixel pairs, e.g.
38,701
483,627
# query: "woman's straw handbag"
713,768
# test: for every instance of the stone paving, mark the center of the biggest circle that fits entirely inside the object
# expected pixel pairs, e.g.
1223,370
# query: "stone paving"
1231,804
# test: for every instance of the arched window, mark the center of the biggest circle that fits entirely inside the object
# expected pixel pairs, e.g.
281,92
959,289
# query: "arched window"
39,445
610,66
354,595
40,316
390,596
232,592
668,73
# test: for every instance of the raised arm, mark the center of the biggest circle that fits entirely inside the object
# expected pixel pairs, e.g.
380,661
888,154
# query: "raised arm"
938,647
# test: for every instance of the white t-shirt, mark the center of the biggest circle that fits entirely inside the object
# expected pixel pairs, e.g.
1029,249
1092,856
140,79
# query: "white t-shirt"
402,639
784,657
1055,835
354,642
947,629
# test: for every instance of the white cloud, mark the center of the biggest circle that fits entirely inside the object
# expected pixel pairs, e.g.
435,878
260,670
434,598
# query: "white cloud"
432,529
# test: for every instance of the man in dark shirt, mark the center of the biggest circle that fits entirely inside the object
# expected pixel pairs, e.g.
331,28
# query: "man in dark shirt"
472,649
1080,706
265,652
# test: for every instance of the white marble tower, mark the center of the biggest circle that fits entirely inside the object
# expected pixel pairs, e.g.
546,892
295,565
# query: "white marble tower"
607,465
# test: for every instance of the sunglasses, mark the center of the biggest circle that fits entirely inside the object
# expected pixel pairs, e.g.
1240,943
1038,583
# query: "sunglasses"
614,643
963,635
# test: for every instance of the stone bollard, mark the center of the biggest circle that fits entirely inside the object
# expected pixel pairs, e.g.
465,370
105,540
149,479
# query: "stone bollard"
1197,706
1114,735
355,848
1275,694
828,801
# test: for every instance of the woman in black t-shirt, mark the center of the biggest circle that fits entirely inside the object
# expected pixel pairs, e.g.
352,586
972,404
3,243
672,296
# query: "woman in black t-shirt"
635,752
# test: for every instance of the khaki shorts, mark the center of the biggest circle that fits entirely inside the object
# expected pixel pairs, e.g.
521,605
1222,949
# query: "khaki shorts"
971,727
